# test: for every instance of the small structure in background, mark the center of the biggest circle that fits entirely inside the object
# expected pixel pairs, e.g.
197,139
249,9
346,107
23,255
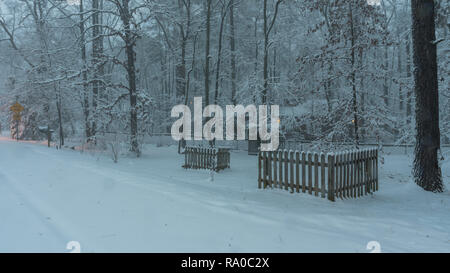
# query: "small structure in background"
48,132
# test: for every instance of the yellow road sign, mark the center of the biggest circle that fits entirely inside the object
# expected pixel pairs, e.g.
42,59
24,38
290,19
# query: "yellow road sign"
16,108
17,117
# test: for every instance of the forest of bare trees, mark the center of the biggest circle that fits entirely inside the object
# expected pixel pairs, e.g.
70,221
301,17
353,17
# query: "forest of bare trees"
341,71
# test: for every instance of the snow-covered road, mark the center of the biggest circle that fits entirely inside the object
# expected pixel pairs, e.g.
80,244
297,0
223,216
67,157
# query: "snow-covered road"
49,197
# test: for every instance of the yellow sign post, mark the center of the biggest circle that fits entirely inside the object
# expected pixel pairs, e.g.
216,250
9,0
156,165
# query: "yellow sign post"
16,108
17,117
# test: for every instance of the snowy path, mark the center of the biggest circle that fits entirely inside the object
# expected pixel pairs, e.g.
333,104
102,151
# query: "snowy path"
50,197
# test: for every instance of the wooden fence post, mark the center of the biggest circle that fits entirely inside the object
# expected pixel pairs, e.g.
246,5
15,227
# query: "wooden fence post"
331,177
376,169
373,169
259,170
347,181
303,172
316,174
269,169
297,170
280,159
310,173
352,175
286,170
275,169
291,163
345,176
322,174
336,176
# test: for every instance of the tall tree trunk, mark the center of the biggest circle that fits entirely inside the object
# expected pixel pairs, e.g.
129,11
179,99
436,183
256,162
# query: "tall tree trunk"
353,77
266,55
207,47
180,71
427,172
409,93
87,127
97,50
386,74
400,73
362,92
268,25
131,71
256,58
58,108
219,54
233,54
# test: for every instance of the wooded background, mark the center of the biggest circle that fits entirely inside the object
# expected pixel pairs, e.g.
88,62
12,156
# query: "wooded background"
341,71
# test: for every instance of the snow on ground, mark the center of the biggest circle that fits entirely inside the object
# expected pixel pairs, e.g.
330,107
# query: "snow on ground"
49,197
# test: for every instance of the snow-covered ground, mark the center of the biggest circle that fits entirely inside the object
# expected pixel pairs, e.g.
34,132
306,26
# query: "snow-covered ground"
49,197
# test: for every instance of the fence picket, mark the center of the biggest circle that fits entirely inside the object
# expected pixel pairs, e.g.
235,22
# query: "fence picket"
352,174
360,171
286,170
336,178
280,159
331,177
291,176
269,168
322,174
370,170
373,170
275,178
297,171
309,173
303,172
376,170
366,171
259,170
341,176
347,175
316,174
363,163
265,162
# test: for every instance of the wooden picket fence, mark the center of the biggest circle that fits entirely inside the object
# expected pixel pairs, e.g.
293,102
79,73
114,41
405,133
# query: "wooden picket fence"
206,158
349,174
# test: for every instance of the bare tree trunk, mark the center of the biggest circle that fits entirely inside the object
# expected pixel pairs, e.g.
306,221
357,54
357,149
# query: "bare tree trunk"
409,93
58,108
256,56
400,73
427,171
362,92
233,54
186,94
219,52
131,71
86,106
207,48
266,55
353,77
385,70
97,51
268,25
